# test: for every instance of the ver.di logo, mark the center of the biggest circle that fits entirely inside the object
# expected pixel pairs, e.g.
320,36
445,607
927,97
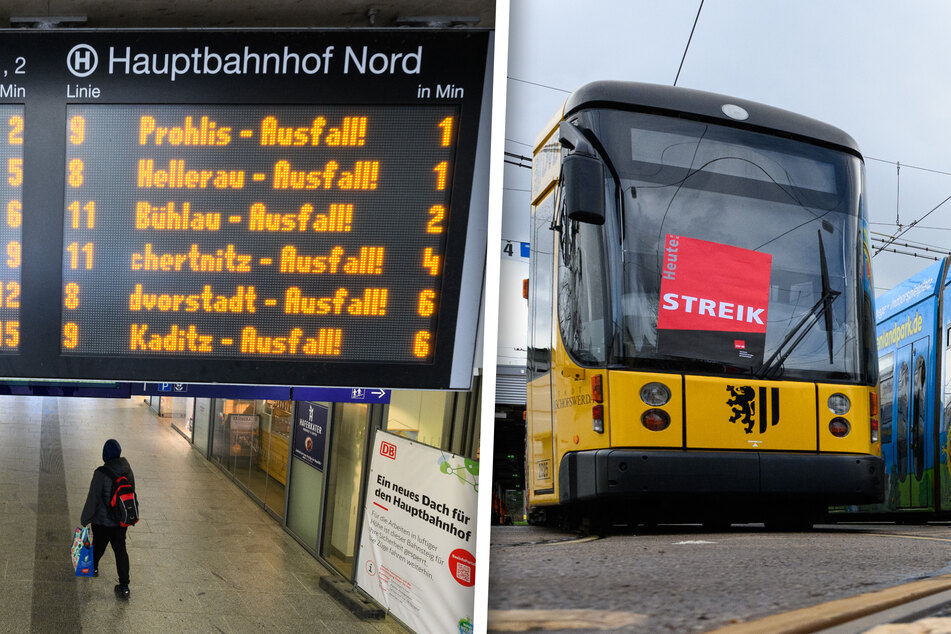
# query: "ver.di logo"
743,404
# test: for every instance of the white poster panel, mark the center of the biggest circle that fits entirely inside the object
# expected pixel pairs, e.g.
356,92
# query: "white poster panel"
417,550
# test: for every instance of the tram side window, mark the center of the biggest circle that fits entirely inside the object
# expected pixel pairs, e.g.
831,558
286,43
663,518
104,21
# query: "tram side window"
918,418
581,292
947,381
901,415
886,394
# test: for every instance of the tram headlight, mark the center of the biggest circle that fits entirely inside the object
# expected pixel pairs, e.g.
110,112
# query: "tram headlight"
655,419
839,427
655,394
839,404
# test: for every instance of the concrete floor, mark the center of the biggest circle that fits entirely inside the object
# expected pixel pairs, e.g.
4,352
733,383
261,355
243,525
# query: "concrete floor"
204,557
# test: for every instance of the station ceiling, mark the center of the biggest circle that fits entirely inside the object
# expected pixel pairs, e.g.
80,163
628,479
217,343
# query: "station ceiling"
246,13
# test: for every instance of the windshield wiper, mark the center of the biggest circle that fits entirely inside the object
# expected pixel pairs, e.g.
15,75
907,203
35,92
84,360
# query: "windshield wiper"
822,308
827,295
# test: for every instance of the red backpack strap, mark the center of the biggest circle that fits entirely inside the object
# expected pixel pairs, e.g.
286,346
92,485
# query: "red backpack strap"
115,482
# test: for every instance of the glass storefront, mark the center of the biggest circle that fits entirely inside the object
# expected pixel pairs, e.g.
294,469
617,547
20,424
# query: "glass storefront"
418,416
313,455
184,416
447,420
272,460
348,441
201,424
250,441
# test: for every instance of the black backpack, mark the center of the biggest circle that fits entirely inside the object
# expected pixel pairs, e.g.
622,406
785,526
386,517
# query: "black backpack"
124,504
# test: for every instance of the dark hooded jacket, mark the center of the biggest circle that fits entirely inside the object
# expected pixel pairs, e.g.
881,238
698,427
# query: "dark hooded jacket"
97,509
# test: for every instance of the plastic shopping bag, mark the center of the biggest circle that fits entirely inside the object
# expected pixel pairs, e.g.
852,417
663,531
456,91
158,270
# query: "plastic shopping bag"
82,552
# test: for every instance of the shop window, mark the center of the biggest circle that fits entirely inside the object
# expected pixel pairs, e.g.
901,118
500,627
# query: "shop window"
446,420
272,459
419,416
250,441
348,439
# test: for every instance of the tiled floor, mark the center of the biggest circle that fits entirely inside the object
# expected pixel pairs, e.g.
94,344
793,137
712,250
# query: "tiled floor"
204,558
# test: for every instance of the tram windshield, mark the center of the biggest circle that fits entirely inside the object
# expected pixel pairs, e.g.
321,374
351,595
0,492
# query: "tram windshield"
736,252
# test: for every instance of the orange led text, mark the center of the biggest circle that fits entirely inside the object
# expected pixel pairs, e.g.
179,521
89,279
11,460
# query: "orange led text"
363,176
177,177
326,343
369,262
226,259
177,339
372,304
352,133
171,218
206,132
206,301
338,220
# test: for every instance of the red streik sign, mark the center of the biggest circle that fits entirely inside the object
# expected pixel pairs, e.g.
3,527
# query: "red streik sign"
709,286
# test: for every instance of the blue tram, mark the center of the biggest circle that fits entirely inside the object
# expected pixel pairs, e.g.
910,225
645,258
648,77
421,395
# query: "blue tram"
913,332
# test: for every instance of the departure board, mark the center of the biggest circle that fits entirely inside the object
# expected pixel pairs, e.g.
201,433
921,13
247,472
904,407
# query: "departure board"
268,207
293,232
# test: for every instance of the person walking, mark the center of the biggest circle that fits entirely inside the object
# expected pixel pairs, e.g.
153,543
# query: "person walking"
106,528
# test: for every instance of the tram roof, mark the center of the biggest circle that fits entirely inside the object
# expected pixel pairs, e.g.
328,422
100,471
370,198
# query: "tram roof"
668,100
920,286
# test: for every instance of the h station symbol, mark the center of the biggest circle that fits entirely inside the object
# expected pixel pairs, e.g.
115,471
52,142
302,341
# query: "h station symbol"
82,60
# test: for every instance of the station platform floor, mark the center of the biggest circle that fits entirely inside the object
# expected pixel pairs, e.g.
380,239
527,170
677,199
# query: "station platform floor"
204,557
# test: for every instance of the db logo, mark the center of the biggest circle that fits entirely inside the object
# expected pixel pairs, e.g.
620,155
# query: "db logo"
388,449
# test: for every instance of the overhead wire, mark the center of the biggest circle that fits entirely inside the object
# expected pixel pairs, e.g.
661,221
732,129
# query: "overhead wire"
918,249
911,226
892,224
535,83
911,253
906,166
903,229
886,242
688,42
884,236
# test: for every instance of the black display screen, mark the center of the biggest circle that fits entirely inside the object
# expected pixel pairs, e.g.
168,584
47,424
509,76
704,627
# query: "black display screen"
262,207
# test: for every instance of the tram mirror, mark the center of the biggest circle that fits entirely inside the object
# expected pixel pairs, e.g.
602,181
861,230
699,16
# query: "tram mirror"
583,189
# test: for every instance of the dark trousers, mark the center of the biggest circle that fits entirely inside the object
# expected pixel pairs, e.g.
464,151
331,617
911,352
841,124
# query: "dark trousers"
115,535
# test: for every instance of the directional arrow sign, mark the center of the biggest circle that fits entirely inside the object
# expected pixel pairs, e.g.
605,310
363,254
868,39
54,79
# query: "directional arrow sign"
341,394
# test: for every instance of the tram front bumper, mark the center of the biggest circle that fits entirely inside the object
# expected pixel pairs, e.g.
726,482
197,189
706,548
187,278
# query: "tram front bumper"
832,479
